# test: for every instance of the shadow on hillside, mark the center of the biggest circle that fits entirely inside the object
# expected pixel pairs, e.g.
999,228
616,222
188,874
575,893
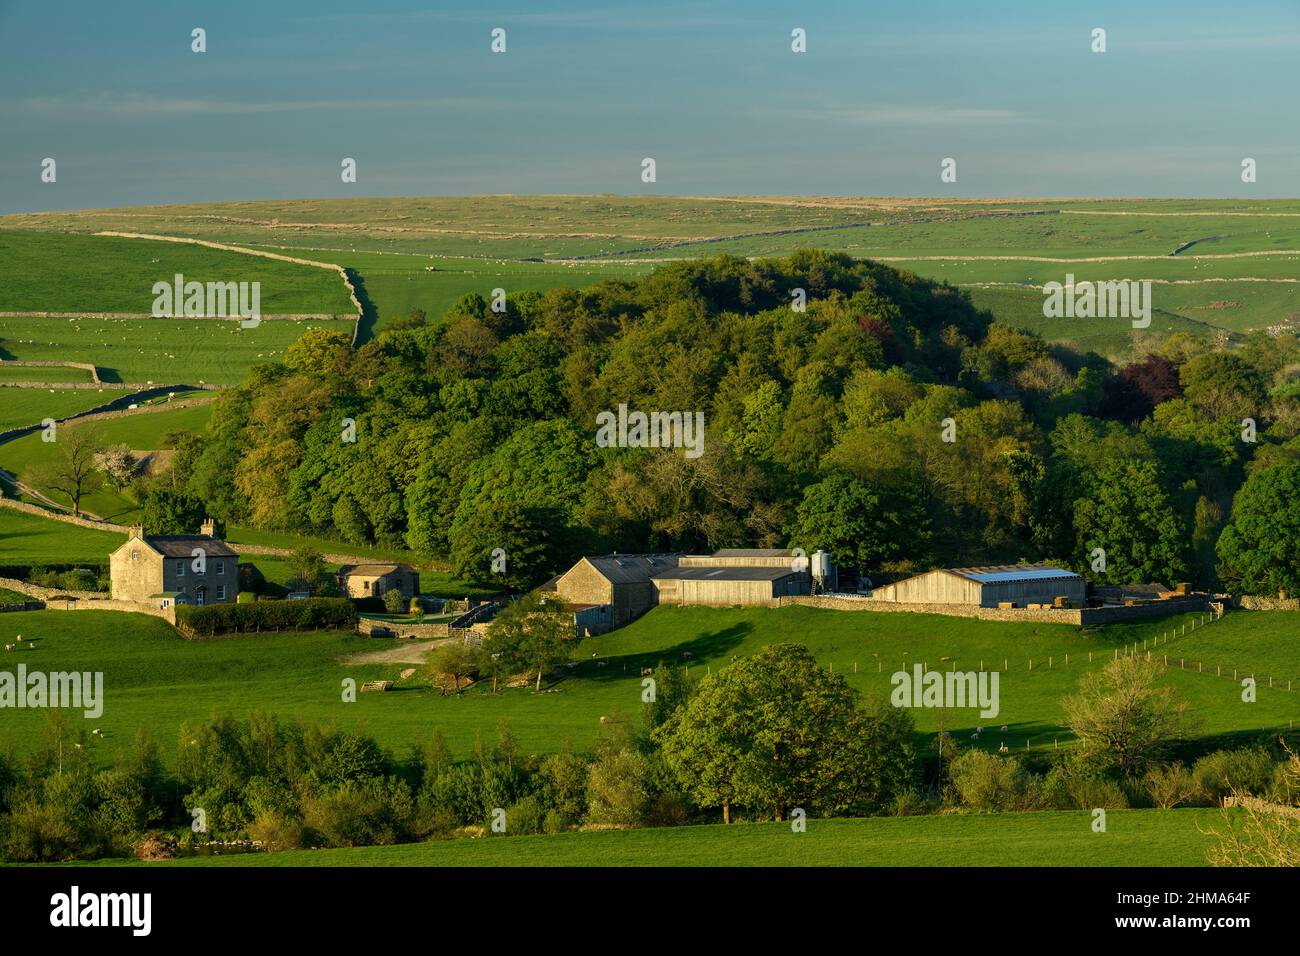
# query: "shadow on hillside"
369,315
700,651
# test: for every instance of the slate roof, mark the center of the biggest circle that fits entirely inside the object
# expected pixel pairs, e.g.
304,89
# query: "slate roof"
376,569
632,568
753,553
182,545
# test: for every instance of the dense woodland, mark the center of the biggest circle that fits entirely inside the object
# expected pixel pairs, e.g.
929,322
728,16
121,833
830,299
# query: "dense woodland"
890,422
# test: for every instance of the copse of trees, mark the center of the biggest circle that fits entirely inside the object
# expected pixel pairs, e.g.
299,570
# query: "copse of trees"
957,438
775,731
1257,550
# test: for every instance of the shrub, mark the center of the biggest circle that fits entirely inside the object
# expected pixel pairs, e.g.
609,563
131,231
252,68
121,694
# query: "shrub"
311,614
1074,788
245,597
1227,771
373,812
983,781
526,815
276,831
618,789
1171,786
564,786
394,603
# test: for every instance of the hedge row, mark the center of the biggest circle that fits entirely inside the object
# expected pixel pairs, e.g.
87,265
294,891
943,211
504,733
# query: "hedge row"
311,614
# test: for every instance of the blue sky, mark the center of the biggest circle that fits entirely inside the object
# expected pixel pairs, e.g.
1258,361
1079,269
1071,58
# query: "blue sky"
585,90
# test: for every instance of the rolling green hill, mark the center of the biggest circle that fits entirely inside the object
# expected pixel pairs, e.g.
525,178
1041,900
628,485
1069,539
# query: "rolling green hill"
1234,269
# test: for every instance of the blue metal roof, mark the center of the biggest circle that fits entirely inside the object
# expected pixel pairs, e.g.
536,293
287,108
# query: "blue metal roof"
1000,576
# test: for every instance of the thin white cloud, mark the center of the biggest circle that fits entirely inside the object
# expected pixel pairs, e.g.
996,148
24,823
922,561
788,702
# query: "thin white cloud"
136,104
938,117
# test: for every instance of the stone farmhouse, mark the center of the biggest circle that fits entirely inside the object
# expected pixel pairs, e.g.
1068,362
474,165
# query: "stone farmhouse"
376,580
167,570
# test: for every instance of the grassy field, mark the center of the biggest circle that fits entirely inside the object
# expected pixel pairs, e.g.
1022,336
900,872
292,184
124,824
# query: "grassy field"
1132,838
64,272
154,678
31,406
143,432
166,351
30,540
46,373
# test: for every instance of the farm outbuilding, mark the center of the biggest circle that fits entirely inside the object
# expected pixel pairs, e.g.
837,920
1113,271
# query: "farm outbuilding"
1015,584
621,581
609,591
729,585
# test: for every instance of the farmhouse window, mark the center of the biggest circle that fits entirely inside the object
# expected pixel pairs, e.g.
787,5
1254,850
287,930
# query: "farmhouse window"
221,592
180,569
221,567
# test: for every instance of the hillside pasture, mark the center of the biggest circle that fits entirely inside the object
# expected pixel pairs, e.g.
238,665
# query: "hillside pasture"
65,272
155,679
166,351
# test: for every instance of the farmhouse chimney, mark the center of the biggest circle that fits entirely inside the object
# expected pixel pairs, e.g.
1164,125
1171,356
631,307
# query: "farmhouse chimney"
209,528
135,531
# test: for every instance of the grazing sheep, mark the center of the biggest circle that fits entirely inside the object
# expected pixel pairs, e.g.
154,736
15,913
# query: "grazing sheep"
1004,728
646,671
1003,749
687,654
9,647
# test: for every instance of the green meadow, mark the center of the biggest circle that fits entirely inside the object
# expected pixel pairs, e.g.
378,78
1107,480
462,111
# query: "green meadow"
155,679
54,373
65,272
166,351
31,406
1057,838
27,539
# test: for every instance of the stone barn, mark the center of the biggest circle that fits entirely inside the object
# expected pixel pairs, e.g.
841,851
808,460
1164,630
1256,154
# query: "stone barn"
621,581
1014,584
376,580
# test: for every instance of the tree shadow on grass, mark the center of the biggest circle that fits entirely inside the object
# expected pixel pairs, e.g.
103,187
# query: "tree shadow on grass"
700,651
